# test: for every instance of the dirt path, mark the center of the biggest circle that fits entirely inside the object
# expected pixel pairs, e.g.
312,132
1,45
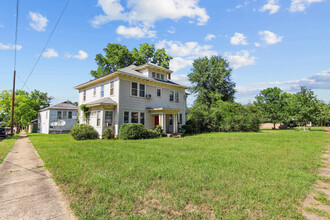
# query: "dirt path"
317,204
26,189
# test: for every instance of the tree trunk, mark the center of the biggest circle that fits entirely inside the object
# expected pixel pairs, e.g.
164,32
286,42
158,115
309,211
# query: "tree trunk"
274,126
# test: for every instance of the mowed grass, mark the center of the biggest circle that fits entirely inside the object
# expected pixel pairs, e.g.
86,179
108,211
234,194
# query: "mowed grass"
5,146
217,175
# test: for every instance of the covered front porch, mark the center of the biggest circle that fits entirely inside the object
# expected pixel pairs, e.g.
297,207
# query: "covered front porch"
102,115
165,117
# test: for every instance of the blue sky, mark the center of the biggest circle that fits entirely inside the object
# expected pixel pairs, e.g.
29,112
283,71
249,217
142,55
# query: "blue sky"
268,42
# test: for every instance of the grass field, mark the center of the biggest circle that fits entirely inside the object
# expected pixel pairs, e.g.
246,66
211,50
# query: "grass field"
5,146
217,175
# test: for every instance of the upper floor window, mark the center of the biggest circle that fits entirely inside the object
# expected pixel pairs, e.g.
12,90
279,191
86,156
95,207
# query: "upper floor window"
84,95
176,96
171,96
153,74
102,91
142,90
64,114
94,91
158,76
159,92
138,89
162,76
112,87
70,115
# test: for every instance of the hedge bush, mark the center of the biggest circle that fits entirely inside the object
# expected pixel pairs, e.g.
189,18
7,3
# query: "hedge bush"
107,134
83,132
136,131
159,129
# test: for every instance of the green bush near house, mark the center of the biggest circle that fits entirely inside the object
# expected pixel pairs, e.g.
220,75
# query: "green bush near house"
134,131
83,132
159,129
107,134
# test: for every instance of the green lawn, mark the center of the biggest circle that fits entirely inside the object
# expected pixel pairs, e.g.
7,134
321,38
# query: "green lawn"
5,146
229,175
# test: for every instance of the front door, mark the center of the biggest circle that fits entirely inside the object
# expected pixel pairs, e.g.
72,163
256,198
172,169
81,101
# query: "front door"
156,120
169,124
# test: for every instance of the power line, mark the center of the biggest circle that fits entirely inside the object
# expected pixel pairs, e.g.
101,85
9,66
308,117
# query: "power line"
58,20
17,7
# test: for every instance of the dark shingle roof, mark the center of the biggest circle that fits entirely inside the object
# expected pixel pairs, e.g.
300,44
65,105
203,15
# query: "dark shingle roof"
61,106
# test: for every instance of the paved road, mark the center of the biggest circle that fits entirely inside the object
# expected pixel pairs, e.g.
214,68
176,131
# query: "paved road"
26,189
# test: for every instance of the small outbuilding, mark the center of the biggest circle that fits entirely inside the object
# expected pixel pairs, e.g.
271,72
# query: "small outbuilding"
33,126
58,118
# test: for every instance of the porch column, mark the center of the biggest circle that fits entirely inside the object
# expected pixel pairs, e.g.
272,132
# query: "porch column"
163,121
175,123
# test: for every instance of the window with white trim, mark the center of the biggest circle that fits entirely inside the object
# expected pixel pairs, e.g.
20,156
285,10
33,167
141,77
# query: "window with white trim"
102,91
134,117
158,76
64,114
171,96
177,96
162,76
159,92
138,89
59,114
98,118
112,88
134,91
153,74
70,115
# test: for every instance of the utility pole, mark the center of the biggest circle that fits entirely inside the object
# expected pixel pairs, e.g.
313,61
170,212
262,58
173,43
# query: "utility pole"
12,107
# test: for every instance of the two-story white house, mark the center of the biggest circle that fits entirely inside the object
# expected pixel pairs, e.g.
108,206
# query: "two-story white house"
135,94
59,112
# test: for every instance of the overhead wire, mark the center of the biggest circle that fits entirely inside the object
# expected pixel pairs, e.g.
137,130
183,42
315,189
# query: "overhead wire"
43,50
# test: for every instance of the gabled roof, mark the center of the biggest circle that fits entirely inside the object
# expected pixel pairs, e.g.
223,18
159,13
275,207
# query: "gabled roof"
102,101
131,71
153,67
61,106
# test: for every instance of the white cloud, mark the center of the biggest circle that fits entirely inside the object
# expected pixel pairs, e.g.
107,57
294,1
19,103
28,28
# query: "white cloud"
301,5
171,30
10,46
135,32
316,81
38,22
269,37
147,12
50,53
238,39
81,55
184,53
272,6
179,63
210,37
257,44
191,50
240,59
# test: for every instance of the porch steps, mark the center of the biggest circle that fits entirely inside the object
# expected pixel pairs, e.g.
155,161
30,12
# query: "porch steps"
176,135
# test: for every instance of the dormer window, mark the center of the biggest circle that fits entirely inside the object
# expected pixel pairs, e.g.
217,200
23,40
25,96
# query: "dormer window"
158,76
162,77
153,74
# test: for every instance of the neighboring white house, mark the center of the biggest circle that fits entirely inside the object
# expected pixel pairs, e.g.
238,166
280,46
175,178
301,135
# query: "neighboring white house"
62,111
134,94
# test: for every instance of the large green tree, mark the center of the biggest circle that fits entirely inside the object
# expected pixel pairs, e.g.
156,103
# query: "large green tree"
211,80
118,56
27,105
274,105
307,106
